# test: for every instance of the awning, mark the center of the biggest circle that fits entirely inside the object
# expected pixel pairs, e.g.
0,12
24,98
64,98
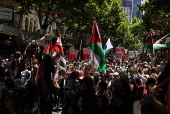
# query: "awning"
12,30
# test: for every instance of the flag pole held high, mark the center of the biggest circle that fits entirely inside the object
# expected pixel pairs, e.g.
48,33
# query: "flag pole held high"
96,51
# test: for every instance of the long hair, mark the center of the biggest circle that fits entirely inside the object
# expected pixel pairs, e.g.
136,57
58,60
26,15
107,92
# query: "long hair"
125,85
17,103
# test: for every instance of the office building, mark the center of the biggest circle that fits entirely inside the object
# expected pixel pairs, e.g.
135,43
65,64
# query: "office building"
131,8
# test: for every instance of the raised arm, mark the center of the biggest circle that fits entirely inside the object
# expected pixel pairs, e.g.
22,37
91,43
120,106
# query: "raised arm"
161,108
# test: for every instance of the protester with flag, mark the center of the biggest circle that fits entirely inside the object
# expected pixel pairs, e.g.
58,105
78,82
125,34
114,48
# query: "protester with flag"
148,43
96,51
108,46
57,46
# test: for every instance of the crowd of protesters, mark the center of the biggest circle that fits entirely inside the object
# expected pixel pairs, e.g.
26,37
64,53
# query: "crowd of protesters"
40,87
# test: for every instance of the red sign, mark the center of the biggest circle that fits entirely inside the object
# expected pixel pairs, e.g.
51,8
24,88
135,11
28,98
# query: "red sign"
86,53
73,54
119,52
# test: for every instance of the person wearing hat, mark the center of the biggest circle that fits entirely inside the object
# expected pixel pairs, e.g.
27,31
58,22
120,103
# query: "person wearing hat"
108,71
116,75
12,103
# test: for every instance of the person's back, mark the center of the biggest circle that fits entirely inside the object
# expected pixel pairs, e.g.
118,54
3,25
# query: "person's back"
88,98
87,94
71,99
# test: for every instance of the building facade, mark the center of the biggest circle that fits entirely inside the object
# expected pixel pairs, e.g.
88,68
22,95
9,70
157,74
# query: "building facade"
135,9
131,8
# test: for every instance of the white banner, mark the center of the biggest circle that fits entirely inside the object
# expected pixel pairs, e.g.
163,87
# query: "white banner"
6,12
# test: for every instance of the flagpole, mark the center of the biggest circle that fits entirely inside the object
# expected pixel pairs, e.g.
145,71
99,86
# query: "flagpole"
153,54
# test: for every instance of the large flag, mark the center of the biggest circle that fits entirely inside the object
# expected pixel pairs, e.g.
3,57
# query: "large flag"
108,46
96,51
162,43
148,43
57,46
163,39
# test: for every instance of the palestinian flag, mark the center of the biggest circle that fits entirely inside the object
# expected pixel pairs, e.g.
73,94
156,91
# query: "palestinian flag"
148,43
48,48
108,46
96,51
63,61
162,43
162,40
57,46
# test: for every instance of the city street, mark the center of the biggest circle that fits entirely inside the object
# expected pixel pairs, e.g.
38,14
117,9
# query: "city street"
84,56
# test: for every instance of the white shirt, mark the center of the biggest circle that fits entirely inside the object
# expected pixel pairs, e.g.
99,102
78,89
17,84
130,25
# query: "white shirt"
58,77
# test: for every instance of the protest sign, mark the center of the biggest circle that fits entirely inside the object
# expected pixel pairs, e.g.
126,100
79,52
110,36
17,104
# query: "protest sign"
86,53
120,52
73,54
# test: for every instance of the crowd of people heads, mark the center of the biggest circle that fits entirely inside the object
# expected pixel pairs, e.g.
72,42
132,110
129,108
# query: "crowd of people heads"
34,86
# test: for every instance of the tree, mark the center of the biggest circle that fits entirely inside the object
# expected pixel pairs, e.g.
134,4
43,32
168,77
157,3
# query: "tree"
156,17
131,34
79,14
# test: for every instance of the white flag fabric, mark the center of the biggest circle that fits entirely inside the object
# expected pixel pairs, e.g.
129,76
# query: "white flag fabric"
108,46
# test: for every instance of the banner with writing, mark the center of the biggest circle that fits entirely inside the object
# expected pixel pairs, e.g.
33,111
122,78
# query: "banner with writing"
73,54
86,53
120,52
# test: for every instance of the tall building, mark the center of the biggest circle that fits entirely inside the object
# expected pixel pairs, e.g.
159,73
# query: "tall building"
135,9
127,7
131,8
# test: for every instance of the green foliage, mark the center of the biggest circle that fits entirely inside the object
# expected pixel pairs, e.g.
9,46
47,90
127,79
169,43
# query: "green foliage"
131,33
108,14
156,16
